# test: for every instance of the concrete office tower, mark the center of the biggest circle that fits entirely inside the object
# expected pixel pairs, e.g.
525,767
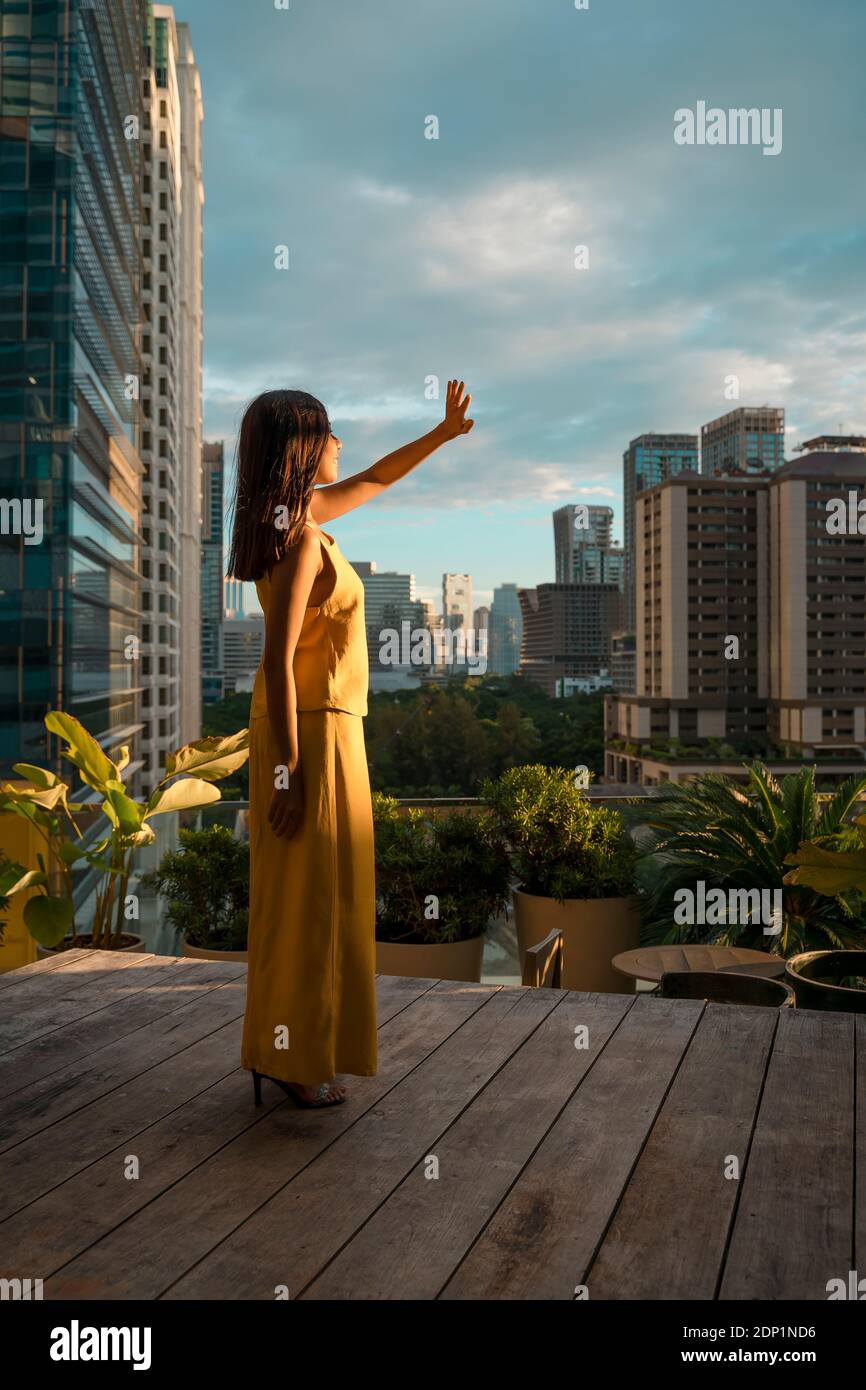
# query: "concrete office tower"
189,387
70,422
481,619
506,631
650,459
749,624
584,550
233,598
389,601
244,642
750,439
171,393
567,631
212,568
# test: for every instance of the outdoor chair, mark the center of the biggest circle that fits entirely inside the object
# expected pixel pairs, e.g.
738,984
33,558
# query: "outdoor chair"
542,964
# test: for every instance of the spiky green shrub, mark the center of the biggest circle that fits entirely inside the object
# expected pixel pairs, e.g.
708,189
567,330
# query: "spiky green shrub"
734,835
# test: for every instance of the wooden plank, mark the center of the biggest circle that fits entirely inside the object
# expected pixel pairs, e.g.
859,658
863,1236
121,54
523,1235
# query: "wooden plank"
410,1247
69,1044
793,1224
141,1257
78,1120
57,1227
41,967
48,1011
61,984
670,1232
291,1238
544,1235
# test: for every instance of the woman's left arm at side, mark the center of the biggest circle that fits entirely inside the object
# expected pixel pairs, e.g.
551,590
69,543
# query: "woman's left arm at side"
338,498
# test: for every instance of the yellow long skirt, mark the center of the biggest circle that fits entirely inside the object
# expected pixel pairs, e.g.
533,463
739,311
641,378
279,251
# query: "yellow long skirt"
311,999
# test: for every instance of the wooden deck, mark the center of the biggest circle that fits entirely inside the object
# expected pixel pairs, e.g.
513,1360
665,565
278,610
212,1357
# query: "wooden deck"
559,1166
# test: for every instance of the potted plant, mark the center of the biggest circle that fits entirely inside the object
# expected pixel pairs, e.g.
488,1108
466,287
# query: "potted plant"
733,835
574,864
832,979
43,800
207,884
440,877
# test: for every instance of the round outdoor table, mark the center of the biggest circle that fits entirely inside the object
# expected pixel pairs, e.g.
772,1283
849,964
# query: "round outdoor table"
651,962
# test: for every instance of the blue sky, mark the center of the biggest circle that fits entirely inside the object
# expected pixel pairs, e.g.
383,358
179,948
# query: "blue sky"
412,257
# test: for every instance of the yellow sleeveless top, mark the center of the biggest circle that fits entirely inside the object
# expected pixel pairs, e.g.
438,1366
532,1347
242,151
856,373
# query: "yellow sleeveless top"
330,665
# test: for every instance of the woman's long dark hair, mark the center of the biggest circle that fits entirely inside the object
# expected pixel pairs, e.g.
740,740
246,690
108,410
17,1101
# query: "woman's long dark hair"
282,436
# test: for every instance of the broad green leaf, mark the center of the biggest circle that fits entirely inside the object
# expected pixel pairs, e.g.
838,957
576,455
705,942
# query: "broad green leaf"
95,766
122,757
39,776
213,772
207,753
70,851
16,878
182,795
129,814
145,836
48,919
46,797
830,872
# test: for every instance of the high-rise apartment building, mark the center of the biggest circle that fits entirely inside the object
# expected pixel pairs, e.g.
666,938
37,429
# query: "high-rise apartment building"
506,631
649,459
457,600
190,254
70,368
567,630
171,391
751,625
212,570
584,550
750,439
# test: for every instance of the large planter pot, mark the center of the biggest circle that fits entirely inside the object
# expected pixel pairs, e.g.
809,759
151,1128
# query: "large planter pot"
814,976
452,960
594,930
135,944
202,953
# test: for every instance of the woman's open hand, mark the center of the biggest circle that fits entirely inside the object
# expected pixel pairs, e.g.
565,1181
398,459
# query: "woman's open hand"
456,405
286,810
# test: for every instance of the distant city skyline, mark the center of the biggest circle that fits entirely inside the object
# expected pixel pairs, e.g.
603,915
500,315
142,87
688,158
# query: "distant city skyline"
412,257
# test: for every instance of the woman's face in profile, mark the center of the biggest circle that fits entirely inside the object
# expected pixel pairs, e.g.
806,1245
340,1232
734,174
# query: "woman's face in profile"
329,465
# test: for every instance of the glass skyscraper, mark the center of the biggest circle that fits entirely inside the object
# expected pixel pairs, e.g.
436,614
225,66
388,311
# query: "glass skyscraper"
70,369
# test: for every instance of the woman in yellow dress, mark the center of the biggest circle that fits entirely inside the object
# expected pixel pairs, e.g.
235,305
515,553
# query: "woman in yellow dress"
311,1007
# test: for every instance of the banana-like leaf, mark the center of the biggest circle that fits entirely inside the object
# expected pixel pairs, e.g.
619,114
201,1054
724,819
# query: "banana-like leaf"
206,754
46,797
16,878
39,776
183,795
70,852
122,757
145,836
829,872
48,919
128,813
95,766
214,772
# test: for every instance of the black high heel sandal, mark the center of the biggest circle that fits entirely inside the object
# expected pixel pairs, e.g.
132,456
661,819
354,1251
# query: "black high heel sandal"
318,1103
